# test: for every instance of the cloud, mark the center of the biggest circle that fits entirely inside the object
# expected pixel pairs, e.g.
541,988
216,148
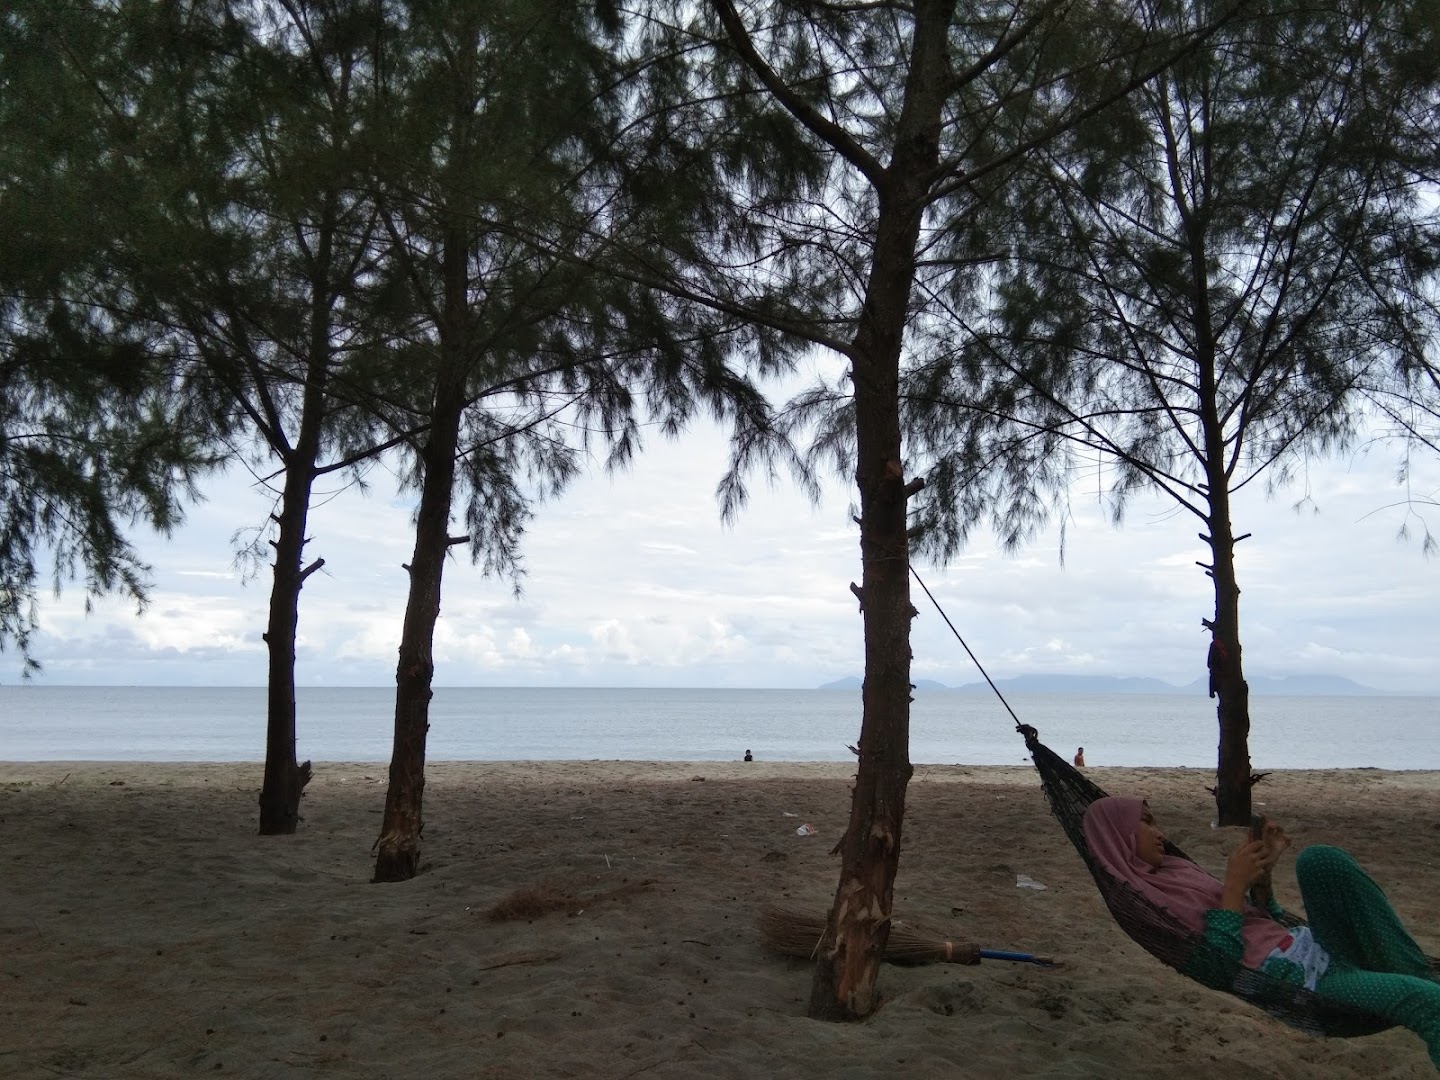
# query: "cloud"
633,580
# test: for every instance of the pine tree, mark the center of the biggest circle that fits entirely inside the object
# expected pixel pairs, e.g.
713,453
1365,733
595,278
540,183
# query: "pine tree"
94,431
510,178
294,331
1201,288
236,225
918,113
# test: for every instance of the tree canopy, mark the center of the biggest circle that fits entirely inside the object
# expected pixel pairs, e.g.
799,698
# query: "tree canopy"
95,434
1200,288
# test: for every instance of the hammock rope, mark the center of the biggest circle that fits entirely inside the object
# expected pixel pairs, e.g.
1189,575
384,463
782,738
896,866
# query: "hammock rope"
1068,793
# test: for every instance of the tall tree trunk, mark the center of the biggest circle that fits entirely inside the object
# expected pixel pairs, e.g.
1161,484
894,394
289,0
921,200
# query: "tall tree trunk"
398,855
1227,677
285,780
844,985
1227,680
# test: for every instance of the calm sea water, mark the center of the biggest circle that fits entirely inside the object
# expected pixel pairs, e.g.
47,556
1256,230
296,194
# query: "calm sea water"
40,723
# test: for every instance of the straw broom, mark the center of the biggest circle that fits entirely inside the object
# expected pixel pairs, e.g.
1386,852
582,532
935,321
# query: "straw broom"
795,933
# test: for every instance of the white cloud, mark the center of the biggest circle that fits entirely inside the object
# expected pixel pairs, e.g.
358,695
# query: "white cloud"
632,580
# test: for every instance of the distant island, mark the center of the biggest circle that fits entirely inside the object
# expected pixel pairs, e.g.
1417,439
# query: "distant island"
1292,685
850,682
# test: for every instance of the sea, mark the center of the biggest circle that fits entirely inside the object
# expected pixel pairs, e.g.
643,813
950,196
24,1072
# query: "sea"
152,723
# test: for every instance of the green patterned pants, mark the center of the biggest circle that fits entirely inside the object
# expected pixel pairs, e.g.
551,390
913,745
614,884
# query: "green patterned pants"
1375,964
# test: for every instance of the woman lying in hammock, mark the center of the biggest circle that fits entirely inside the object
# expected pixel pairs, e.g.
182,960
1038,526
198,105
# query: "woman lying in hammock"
1355,949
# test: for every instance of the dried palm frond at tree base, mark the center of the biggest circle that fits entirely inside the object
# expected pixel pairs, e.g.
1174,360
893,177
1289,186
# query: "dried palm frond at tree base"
796,933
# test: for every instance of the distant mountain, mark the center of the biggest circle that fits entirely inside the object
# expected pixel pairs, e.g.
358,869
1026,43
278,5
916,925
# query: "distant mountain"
850,682
1079,684
1297,685
1260,685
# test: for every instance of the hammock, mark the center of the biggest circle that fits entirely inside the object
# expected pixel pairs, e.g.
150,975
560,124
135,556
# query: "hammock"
1155,929
1174,943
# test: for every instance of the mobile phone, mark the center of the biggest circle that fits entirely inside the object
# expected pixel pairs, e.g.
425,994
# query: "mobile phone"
1257,827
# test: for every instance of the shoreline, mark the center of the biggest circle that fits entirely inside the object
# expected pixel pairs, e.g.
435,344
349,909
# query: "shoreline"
564,770
148,932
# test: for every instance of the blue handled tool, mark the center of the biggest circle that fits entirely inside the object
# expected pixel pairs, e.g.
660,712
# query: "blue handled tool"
1018,957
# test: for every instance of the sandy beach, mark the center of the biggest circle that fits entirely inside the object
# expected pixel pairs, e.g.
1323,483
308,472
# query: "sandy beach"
147,931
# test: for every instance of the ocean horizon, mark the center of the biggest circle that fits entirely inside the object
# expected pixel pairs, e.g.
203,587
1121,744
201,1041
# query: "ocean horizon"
169,723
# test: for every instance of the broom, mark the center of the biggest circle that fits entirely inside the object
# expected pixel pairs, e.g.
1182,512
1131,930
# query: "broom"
795,933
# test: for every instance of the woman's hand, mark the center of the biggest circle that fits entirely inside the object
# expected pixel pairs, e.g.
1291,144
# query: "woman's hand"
1249,864
1275,842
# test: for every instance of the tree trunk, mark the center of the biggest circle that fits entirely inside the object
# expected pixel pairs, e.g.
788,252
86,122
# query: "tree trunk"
1227,680
844,985
285,780
1227,677
398,855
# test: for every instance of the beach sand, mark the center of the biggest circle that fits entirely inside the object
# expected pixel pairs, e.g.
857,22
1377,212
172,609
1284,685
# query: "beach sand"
147,931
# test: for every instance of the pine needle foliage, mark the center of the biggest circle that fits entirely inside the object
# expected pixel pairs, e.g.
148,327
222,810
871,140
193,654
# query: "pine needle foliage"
1250,238
914,116
95,437
1197,289
518,167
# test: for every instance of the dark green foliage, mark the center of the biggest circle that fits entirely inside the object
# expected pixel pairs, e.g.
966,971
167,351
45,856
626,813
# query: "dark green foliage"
93,432
577,182
1201,286
907,121
88,447
1247,240
524,161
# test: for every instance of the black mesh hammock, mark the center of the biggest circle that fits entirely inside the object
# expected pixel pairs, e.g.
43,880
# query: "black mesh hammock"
1069,793
1166,938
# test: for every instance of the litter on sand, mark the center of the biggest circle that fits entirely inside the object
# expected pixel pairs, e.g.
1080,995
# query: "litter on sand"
809,830
1025,881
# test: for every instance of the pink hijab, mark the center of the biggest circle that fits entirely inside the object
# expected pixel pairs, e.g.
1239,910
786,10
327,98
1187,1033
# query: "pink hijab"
1177,885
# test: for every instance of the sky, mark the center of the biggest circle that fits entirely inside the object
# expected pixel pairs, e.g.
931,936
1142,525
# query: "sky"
632,580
